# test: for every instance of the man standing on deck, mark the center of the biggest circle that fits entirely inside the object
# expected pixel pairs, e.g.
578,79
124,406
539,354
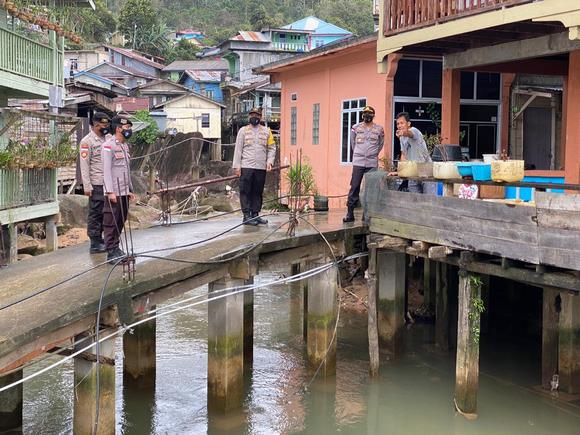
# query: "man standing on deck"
117,184
366,141
413,147
254,155
91,169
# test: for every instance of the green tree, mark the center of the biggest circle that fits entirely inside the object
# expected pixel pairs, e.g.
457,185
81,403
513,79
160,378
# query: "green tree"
137,18
148,135
183,50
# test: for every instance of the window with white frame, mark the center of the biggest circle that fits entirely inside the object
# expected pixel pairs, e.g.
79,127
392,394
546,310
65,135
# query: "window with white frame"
351,115
293,125
205,120
315,124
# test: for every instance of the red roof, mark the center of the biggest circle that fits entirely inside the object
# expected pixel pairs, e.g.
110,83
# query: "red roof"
131,104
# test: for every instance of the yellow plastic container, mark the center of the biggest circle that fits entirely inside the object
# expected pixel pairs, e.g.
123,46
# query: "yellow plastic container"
406,168
446,171
507,171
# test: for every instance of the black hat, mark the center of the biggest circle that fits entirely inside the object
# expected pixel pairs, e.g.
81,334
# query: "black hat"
368,109
101,117
121,120
256,110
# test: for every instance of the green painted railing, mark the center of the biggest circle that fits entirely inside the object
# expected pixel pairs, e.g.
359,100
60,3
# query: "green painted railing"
22,56
25,187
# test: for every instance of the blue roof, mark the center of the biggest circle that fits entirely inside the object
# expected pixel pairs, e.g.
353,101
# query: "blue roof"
317,26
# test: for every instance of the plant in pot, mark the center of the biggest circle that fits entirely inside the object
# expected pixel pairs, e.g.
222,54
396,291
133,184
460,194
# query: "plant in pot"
300,178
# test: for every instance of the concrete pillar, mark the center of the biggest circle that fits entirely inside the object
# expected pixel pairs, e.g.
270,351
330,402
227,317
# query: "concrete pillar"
225,376
506,81
322,311
304,267
11,404
249,326
391,271
572,147
51,234
450,106
85,390
467,361
550,318
442,308
296,311
569,343
391,72
10,248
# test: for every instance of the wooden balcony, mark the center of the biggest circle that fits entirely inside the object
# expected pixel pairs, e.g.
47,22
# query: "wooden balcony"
403,15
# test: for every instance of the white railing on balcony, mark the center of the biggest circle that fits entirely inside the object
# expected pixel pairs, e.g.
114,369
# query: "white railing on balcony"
290,46
28,58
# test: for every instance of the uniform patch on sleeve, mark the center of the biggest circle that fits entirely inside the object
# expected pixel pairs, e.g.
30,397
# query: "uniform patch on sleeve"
84,146
107,147
84,154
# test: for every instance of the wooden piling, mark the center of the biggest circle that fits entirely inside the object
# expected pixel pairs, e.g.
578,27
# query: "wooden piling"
373,331
51,234
429,282
569,343
391,268
296,311
322,311
304,267
550,319
249,326
85,391
139,350
467,361
10,247
11,404
442,307
225,376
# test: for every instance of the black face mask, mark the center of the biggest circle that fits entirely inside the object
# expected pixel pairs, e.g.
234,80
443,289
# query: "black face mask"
368,118
127,133
254,121
105,131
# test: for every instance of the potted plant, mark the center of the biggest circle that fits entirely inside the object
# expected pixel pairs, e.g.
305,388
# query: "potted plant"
300,178
320,201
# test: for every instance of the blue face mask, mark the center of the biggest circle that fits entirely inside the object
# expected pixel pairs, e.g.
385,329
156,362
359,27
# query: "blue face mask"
127,133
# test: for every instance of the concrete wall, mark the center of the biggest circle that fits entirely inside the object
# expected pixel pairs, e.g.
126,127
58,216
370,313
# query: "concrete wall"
183,113
328,83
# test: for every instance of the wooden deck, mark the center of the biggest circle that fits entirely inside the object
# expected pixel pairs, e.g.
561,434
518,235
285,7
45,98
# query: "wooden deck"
545,233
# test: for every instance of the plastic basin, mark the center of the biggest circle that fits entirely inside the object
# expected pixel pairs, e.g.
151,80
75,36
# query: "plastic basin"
481,172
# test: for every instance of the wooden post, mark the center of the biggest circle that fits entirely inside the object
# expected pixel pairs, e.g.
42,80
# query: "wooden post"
85,381
391,268
10,248
225,377
450,106
373,331
429,285
296,311
249,326
569,343
322,312
572,138
11,404
550,318
51,234
304,267
467,361
442,308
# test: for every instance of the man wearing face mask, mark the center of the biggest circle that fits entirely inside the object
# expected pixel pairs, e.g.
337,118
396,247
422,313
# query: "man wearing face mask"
117,185
254,155
91,169
366,141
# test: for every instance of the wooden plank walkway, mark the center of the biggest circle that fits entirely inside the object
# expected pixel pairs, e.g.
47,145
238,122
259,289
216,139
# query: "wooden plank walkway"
43,320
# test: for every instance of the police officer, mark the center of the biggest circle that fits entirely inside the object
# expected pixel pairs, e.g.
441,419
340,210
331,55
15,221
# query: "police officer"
254,155
91,168
117,184
366,141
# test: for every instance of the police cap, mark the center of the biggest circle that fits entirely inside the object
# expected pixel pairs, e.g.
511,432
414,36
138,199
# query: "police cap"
101,117
256,111
368,109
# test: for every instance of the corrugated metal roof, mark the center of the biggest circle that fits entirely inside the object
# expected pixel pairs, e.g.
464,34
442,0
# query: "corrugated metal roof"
318,26
135,56
250,36
205,76
197,65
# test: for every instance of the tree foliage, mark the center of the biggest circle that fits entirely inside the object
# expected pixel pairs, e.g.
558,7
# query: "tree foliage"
137,19
148,135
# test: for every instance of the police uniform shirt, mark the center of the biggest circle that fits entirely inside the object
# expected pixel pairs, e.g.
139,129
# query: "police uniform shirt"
91,163
116,167
366,143
255,148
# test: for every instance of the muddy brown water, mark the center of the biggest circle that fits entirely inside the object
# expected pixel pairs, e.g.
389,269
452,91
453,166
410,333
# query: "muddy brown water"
412,396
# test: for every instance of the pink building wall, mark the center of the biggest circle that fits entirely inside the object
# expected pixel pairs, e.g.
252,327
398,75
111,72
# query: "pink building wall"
350,74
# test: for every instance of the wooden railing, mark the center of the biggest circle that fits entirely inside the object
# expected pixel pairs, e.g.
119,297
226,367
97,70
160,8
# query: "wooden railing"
25,187
28,58
403,15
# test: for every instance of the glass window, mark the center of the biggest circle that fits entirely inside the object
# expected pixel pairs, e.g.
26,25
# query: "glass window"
432,79
205,120
209,93
293,125
351,114
488,86
315,124
407,78
467,85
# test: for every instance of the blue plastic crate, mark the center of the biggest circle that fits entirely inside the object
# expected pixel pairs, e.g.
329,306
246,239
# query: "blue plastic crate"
465,169
481,171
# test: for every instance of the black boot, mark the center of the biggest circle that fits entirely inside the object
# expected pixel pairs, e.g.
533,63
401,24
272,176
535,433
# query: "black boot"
114,255
349,215
261,221
97,245
249,220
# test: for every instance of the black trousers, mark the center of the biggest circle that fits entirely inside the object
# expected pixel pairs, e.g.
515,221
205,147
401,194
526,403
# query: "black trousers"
114,217
358,173
252,183
95,219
